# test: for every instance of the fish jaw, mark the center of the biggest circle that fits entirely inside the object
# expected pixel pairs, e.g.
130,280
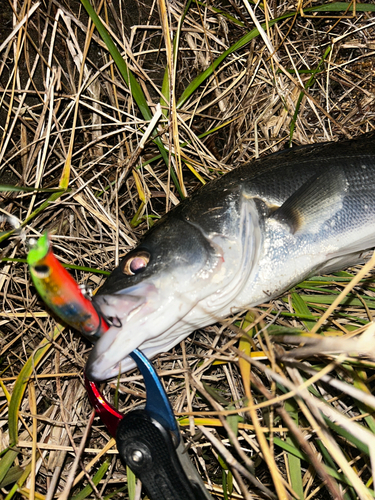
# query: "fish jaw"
137,317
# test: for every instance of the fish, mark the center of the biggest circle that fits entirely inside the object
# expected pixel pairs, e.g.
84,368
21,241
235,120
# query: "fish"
237,242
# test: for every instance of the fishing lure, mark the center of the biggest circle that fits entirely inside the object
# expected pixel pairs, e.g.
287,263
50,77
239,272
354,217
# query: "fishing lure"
60,292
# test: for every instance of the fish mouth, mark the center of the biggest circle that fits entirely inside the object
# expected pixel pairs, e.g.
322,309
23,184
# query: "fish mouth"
119,308
130,315
102,364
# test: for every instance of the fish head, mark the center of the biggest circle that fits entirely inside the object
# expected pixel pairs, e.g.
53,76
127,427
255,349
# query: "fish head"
154,287
185,274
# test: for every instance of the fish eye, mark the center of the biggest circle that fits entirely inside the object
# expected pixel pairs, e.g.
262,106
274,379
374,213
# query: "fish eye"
135,263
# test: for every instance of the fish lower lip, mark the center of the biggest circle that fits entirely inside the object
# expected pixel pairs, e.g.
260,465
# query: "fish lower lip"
91,372
100,365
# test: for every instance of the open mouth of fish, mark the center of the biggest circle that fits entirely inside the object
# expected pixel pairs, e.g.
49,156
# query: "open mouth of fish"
128,312
143,320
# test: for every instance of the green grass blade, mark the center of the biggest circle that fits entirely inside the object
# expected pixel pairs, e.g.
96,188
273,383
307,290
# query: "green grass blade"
300,307
349,300
87,490
131,482
165,85
363,447
20,481
233,420
68,266
293,462
19,189
13,475
54,196
21,383
359,382
290,448
115,494
6,463
214,393
308,84
331,464
127,75
332,471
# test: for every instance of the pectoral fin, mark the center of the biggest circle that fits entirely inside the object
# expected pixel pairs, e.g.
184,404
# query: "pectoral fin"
316,201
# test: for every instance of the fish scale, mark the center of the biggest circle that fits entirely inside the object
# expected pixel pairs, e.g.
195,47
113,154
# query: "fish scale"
237,242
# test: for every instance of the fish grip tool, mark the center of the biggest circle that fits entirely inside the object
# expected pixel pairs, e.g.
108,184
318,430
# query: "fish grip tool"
147,449
148,440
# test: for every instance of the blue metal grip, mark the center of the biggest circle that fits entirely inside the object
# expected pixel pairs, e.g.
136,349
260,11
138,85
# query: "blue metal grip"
157,403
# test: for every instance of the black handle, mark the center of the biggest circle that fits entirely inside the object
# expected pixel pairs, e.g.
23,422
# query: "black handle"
147,448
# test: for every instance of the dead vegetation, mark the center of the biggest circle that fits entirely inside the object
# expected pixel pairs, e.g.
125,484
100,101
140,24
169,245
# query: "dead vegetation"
267,409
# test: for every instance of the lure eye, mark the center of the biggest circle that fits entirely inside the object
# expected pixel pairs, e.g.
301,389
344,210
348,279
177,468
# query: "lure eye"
135,263
42,271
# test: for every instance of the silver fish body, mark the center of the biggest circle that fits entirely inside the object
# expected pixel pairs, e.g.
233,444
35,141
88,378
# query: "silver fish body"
237,242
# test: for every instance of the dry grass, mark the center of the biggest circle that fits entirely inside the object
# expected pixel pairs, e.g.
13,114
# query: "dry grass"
66,111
